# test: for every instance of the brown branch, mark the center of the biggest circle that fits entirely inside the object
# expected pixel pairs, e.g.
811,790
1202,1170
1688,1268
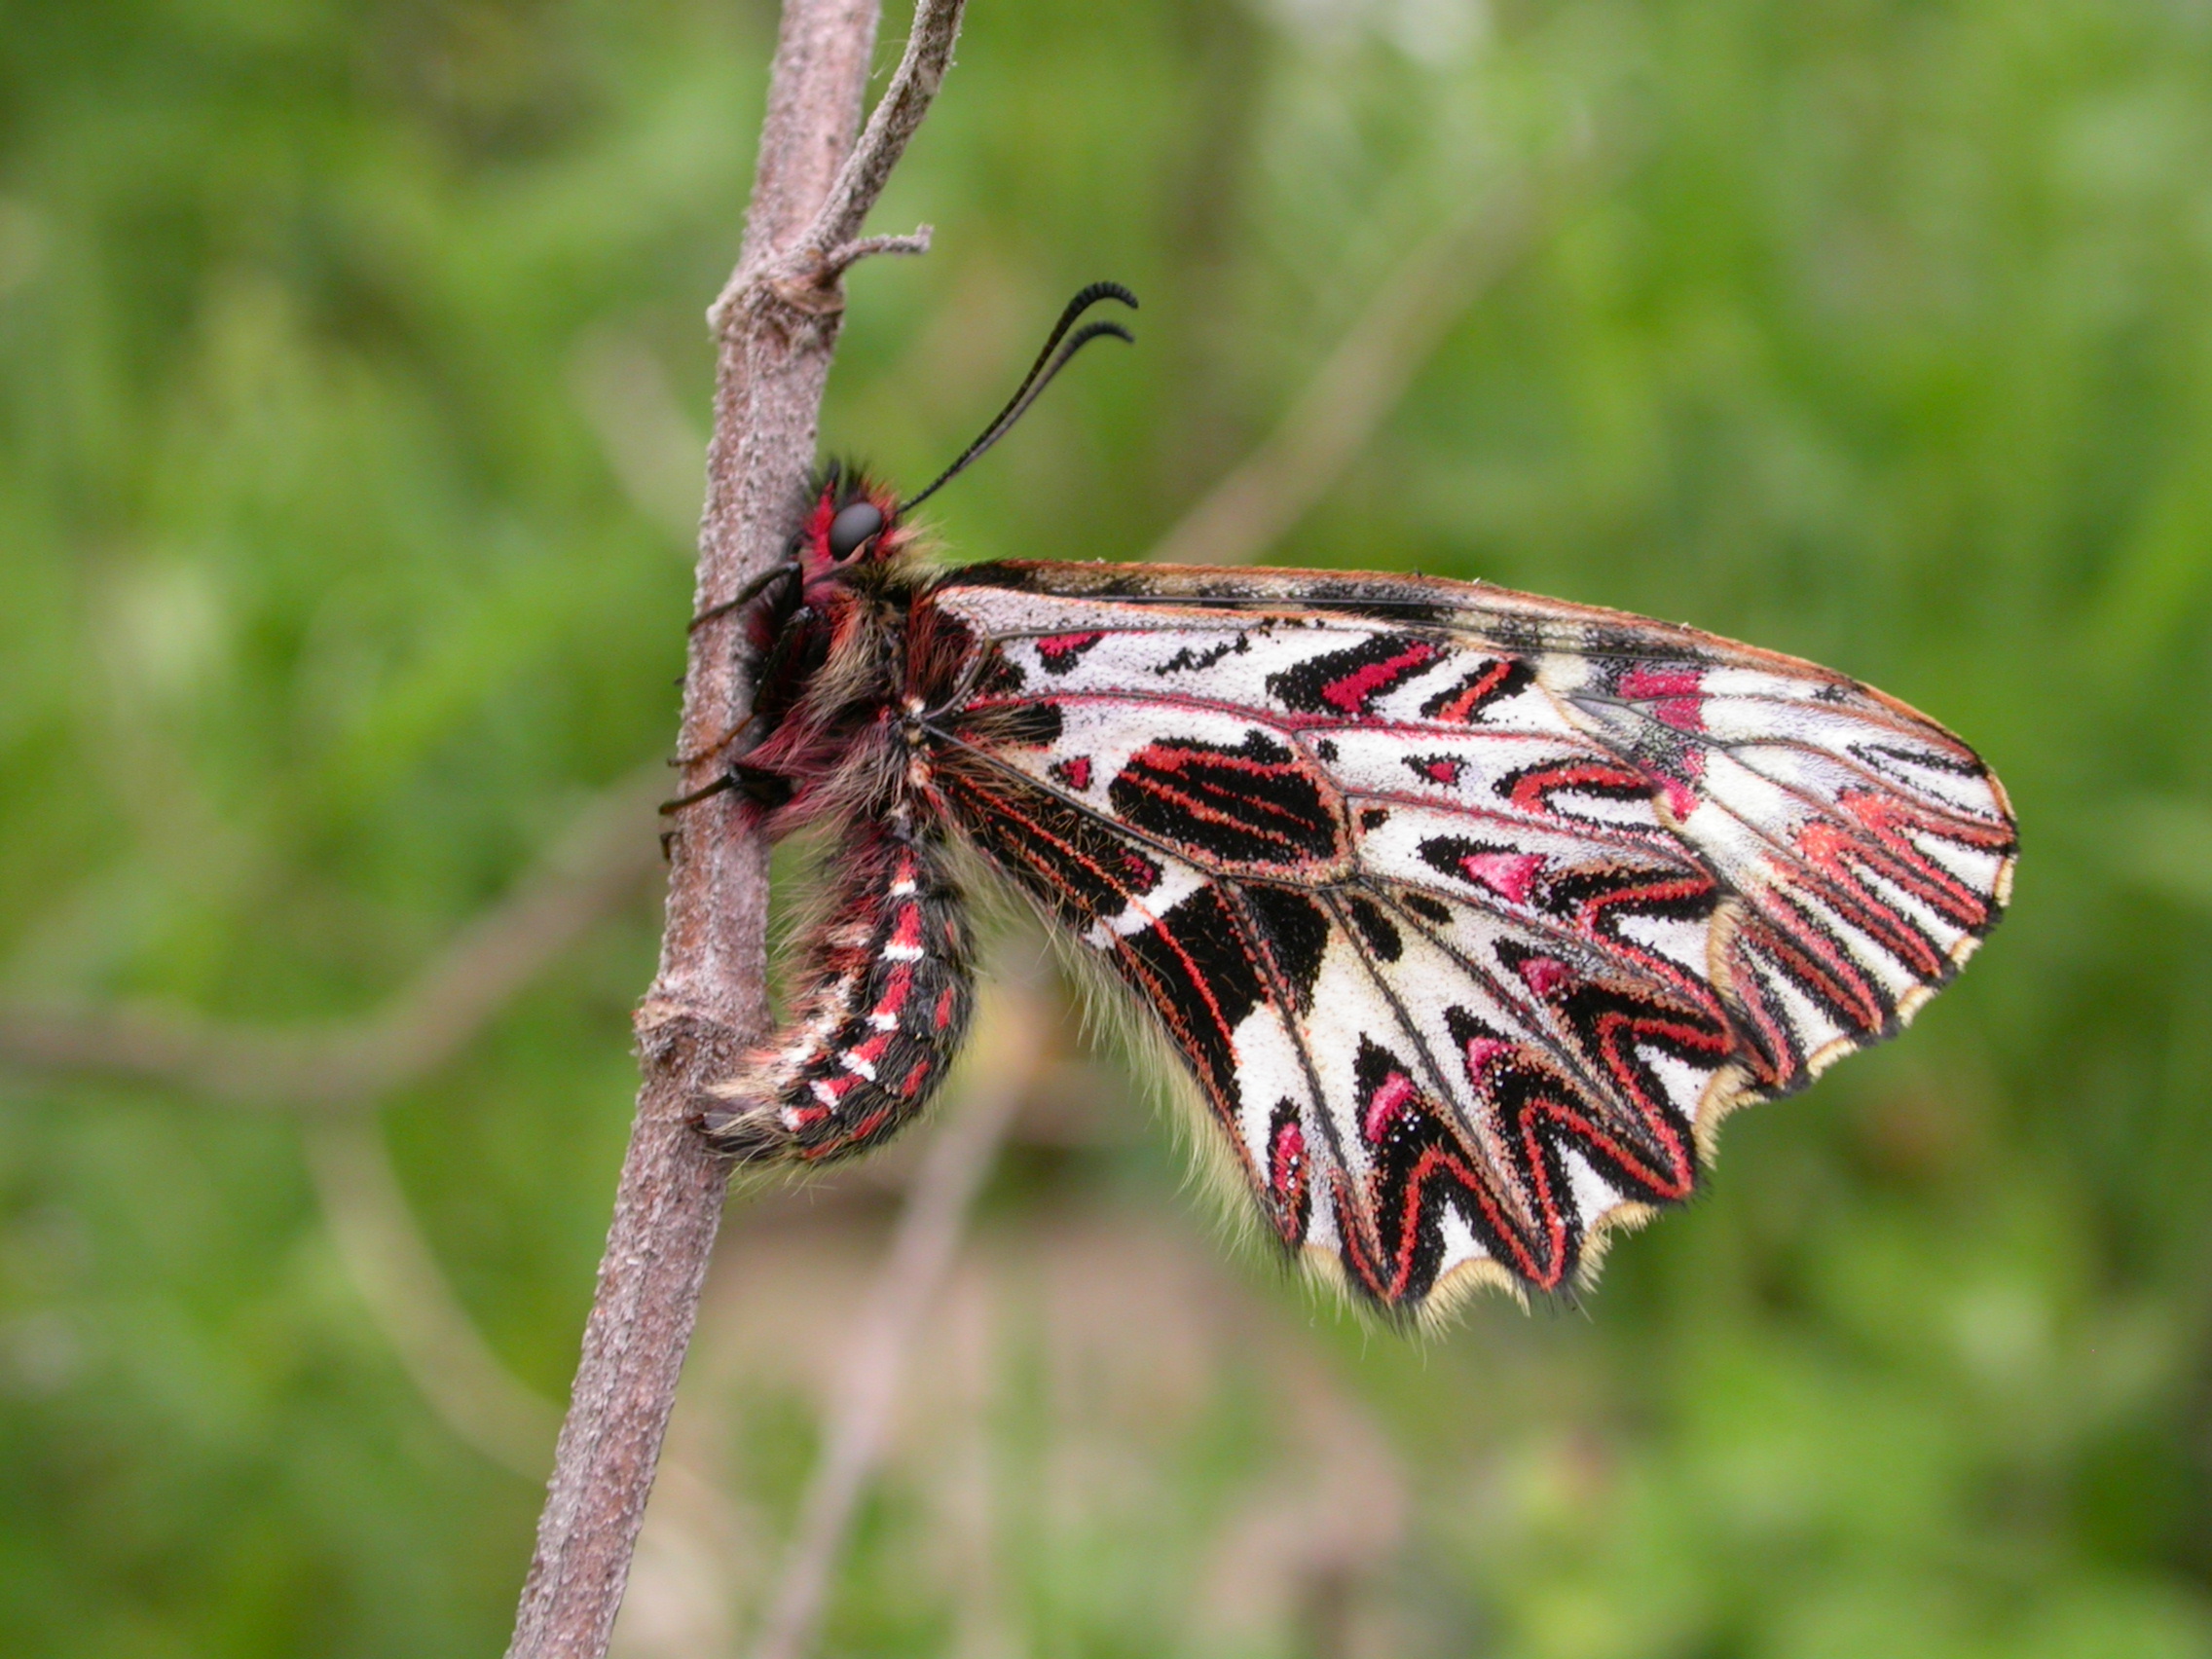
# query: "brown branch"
802,267
604,856
1003,1063
1355,389
892,125
843,259
776,325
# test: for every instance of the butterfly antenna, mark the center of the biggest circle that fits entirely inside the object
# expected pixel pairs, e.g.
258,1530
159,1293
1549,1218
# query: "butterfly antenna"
1039,377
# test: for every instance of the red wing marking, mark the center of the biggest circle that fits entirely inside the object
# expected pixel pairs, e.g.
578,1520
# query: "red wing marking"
1060,652
1347,681
1464,702
1261,804
1673,693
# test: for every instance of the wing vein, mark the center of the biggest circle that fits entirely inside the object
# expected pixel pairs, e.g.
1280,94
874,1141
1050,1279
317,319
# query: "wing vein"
1538,1029
1471,1133
1281,991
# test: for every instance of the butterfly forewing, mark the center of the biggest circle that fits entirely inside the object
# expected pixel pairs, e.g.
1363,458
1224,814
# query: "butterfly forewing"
1471,912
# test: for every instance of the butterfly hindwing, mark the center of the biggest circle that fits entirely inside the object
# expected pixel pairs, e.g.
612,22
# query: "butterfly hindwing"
1471,912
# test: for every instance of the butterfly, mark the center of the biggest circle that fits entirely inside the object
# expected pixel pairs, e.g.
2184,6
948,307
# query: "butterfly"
1469,914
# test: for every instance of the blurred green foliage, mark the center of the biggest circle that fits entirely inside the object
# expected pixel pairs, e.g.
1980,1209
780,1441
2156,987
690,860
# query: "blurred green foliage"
352,379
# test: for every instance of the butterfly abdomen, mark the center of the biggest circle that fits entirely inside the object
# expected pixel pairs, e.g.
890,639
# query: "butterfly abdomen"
887,991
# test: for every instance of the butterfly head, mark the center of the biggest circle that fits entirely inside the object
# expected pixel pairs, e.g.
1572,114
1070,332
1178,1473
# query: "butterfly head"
853,522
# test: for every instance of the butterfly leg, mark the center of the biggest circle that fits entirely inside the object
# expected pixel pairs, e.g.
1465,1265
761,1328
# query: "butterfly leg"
747,593
762,785
791,638
889,985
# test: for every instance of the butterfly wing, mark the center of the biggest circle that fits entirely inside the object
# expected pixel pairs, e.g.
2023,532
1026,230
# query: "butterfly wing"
1471,912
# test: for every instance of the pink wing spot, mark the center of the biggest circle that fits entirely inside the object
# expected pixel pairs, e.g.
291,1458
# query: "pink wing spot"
1676,695
1388,1100
942,1016
1680,787
1481,1050
1076,773
1509,874
1463,705
1289,1161
1672,680
1443,770
1350,692
1545,975
915,1078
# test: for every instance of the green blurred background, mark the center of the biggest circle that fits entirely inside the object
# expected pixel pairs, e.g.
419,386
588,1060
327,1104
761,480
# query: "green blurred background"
353,386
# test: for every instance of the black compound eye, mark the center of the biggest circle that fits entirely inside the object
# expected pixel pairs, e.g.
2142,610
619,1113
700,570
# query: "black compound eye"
853,525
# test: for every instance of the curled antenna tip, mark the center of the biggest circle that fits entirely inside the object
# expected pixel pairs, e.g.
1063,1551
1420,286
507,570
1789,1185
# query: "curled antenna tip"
1097,291
1049,363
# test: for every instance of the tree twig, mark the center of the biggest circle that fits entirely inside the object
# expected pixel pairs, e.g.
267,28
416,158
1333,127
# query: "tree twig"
1003,1063
841,259
776,328
801,268
602,857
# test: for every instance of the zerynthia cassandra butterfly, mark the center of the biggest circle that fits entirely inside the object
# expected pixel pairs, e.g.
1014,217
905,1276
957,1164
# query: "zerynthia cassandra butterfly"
1469,914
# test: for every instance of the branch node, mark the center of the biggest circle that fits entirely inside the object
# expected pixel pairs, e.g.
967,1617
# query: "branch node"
671,1031
811,291
796,296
